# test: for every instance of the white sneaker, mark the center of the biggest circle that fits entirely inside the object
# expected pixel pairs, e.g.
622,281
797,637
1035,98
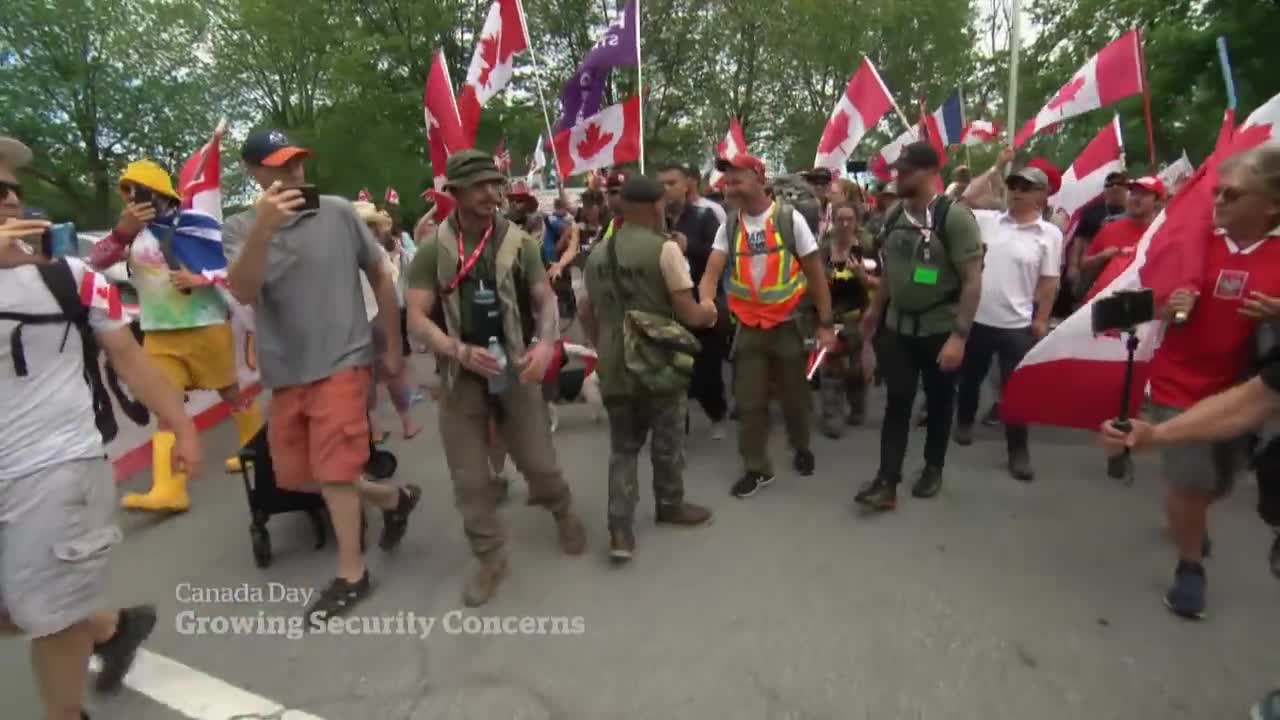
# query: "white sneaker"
717,430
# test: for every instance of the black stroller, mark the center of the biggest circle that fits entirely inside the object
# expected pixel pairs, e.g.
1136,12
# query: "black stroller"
266,500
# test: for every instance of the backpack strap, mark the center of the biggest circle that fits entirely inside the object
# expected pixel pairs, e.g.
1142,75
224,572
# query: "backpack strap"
785,217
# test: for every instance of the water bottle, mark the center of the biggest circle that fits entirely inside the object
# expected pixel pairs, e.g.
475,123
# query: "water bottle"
498,383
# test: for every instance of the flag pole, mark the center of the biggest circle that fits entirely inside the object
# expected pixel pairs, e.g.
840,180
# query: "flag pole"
1015,31
640,85
1225,61
537,75
1146,102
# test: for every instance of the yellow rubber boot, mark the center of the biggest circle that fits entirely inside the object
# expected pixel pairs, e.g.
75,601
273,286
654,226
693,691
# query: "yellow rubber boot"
168,489
248,423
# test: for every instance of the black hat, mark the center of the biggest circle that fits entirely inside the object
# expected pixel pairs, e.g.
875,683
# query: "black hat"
270,148
819,176
641,189
918,156
1119,177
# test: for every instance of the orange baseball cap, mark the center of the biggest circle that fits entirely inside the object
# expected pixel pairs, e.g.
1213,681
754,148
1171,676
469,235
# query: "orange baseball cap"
270,148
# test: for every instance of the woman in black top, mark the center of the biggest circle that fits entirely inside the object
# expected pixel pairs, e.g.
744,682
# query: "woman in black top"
851,271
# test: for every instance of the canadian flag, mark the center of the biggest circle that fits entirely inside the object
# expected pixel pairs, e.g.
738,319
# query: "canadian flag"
866,99
980,132
610,137
444,128
502,38
97,292
882,163
1113,74
392,197
1047,386
1177,173
1084,181
733,145
364,196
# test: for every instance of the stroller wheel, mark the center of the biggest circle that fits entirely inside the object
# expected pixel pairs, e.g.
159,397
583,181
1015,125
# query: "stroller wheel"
261,546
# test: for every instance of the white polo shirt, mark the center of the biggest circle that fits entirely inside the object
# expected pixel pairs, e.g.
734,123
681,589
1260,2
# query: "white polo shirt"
1017,257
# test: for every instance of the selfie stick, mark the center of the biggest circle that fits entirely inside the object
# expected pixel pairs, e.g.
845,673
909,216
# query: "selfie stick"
1118,466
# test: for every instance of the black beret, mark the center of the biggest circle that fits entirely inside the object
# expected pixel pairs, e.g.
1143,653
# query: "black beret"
641,189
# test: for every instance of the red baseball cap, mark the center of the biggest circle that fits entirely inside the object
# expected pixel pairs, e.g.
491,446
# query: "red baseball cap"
1150,184
742,161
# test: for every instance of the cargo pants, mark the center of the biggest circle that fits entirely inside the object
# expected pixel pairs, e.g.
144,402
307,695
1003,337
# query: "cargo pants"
764,358
631,421
526,432
842,389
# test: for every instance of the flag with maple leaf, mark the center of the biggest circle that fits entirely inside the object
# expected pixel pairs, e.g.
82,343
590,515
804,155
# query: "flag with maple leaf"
1084,181
866,99
733,145
980,132
584,91
610,137
503,36
881,164
1113,74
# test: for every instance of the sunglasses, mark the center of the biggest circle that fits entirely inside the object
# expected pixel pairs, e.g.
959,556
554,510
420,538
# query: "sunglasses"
8,187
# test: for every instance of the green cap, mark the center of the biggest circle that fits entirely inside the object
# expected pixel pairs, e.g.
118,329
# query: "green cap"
468,168
641,189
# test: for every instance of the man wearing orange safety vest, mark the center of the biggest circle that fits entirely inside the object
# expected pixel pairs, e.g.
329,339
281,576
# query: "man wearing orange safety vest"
772,258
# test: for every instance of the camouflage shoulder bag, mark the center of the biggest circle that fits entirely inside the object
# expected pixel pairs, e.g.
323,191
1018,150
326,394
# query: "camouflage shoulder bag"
657,351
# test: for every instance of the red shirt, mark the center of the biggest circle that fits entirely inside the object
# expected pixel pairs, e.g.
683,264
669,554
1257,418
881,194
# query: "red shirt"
1123,234
1207,354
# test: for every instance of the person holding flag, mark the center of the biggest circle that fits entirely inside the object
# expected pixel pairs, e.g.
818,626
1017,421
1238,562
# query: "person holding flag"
185,318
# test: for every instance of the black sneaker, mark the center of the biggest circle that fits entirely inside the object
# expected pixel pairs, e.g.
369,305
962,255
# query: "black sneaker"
929,482
396,521
337,599
992,418
879,494
1186,597
750,483
117,653
804,462
962,434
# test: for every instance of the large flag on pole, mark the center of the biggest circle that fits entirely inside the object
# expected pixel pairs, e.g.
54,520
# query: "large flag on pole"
610,137
733,145
584,91
444,132
1085,180
948,119
1046,387
492,64
1113,74
882,162
866,99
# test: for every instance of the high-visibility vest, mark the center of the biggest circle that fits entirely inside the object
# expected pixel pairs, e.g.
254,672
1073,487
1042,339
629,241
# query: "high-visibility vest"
781,287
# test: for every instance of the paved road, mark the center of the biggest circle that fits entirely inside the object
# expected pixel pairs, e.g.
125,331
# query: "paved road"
995,600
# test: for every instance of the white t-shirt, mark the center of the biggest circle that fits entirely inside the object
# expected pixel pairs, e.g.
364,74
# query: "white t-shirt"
47,415
1017,257
806,244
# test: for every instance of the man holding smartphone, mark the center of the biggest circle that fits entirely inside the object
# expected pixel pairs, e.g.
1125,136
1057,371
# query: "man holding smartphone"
295,256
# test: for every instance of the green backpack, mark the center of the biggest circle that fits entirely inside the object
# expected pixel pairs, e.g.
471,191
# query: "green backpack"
658,351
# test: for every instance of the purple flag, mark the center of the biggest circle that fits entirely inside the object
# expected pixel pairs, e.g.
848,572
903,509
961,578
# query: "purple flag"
584,92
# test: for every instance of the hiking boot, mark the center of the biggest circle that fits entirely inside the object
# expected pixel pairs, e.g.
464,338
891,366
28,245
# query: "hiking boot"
749,484
804,462
1268,708
622,542
879,494
992,418
571,533
396,520
483,579
929,482
1187,596
338,599
682,514
1020,465
117,653
962,434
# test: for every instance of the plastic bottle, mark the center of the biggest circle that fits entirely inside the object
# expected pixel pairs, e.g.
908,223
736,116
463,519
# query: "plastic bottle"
498,383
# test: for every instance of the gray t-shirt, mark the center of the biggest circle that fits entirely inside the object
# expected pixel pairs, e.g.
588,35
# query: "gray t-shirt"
47,415
310,313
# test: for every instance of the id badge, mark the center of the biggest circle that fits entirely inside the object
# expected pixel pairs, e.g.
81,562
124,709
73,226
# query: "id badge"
925,275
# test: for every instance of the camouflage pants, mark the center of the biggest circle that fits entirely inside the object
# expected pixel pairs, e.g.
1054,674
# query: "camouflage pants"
630,424
842,390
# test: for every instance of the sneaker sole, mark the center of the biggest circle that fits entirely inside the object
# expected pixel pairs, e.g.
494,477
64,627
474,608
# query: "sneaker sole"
621,556
1186,616
759,484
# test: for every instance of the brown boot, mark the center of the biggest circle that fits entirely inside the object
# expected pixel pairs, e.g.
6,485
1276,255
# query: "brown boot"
483,578
683,514
572,534
622,542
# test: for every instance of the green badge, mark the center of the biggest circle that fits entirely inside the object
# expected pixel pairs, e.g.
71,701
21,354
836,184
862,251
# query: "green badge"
925,275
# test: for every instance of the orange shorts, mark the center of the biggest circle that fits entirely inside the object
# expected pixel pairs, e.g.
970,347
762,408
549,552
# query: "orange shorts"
319,432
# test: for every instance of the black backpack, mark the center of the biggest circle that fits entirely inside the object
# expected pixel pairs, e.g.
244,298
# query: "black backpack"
60,280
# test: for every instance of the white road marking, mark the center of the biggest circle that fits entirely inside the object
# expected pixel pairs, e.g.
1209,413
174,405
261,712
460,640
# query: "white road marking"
197,695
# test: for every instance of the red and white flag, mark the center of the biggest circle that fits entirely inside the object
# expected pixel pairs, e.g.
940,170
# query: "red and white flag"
364,196
980,132
1177,173
1113,74
610,137
501,39
392,197
1075,379
882,162
733,145
932,133
502,156
97,292
1084,181
444,128
866,99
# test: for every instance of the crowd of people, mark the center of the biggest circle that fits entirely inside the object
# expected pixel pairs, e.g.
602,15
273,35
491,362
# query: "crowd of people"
782,284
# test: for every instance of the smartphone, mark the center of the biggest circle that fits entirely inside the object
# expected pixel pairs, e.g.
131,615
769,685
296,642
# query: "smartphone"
310,197
59,241
143,195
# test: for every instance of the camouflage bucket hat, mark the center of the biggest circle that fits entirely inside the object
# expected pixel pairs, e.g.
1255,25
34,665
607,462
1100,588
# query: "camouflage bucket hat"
469,168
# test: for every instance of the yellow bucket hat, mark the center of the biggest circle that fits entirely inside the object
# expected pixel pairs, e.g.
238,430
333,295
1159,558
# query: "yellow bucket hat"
149,175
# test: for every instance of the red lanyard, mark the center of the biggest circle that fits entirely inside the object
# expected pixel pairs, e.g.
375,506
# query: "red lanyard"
464,267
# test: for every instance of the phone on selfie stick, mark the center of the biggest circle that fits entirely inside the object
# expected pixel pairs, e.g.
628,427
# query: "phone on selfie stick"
1124,311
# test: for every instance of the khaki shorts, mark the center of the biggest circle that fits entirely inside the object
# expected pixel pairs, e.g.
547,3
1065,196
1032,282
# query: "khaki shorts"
1210,468
57,527
201,358
319,432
